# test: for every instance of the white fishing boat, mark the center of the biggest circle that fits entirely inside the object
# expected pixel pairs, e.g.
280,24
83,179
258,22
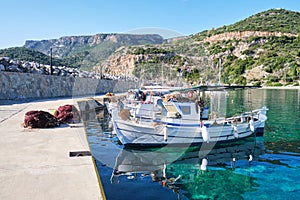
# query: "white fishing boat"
184,123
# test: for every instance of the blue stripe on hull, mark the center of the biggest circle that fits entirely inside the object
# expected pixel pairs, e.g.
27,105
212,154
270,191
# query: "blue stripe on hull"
134,145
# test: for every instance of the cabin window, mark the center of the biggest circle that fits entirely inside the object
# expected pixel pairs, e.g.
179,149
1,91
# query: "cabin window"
171,108
186,110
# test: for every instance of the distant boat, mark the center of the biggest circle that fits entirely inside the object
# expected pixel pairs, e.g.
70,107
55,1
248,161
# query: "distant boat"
184,122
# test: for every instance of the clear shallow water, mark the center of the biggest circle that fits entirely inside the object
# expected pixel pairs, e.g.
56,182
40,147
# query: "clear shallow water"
166,173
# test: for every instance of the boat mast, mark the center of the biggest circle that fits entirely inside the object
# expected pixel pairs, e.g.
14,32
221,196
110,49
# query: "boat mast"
250,100
162,75
220,67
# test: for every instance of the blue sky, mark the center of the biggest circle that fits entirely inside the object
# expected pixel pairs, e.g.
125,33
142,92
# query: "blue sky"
49,19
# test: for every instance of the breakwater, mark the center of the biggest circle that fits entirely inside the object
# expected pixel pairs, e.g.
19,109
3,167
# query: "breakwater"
18,86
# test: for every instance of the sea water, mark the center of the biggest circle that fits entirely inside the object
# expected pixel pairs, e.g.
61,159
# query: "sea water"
258,168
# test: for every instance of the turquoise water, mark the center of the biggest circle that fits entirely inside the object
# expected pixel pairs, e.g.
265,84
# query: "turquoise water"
258,168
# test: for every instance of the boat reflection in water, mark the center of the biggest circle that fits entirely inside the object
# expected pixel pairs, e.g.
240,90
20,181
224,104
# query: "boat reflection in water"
206,172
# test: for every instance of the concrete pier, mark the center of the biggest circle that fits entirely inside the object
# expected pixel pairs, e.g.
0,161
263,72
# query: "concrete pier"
35,163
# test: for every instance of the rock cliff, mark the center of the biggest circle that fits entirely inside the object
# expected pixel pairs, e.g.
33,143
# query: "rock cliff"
67,45
244,35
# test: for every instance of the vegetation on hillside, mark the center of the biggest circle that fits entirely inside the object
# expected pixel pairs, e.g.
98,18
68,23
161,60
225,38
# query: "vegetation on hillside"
160,62
274,20
279,57
22,53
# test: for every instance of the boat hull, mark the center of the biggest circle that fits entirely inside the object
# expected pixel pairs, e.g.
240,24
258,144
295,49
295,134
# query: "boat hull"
132,134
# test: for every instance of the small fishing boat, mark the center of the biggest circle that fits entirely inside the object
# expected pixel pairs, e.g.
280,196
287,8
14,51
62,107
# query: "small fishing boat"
184,121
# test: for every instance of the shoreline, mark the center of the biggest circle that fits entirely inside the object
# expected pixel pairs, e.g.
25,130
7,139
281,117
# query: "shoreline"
281,87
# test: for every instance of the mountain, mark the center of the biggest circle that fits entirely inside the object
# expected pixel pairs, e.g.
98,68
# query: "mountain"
262,49
88,51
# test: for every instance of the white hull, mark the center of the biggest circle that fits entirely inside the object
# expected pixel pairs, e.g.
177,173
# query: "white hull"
130,133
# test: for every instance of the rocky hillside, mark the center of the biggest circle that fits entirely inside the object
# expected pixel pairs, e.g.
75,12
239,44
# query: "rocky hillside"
21,66
262,50
87,51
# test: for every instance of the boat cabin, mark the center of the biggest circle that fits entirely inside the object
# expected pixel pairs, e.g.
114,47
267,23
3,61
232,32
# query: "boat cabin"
183,112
